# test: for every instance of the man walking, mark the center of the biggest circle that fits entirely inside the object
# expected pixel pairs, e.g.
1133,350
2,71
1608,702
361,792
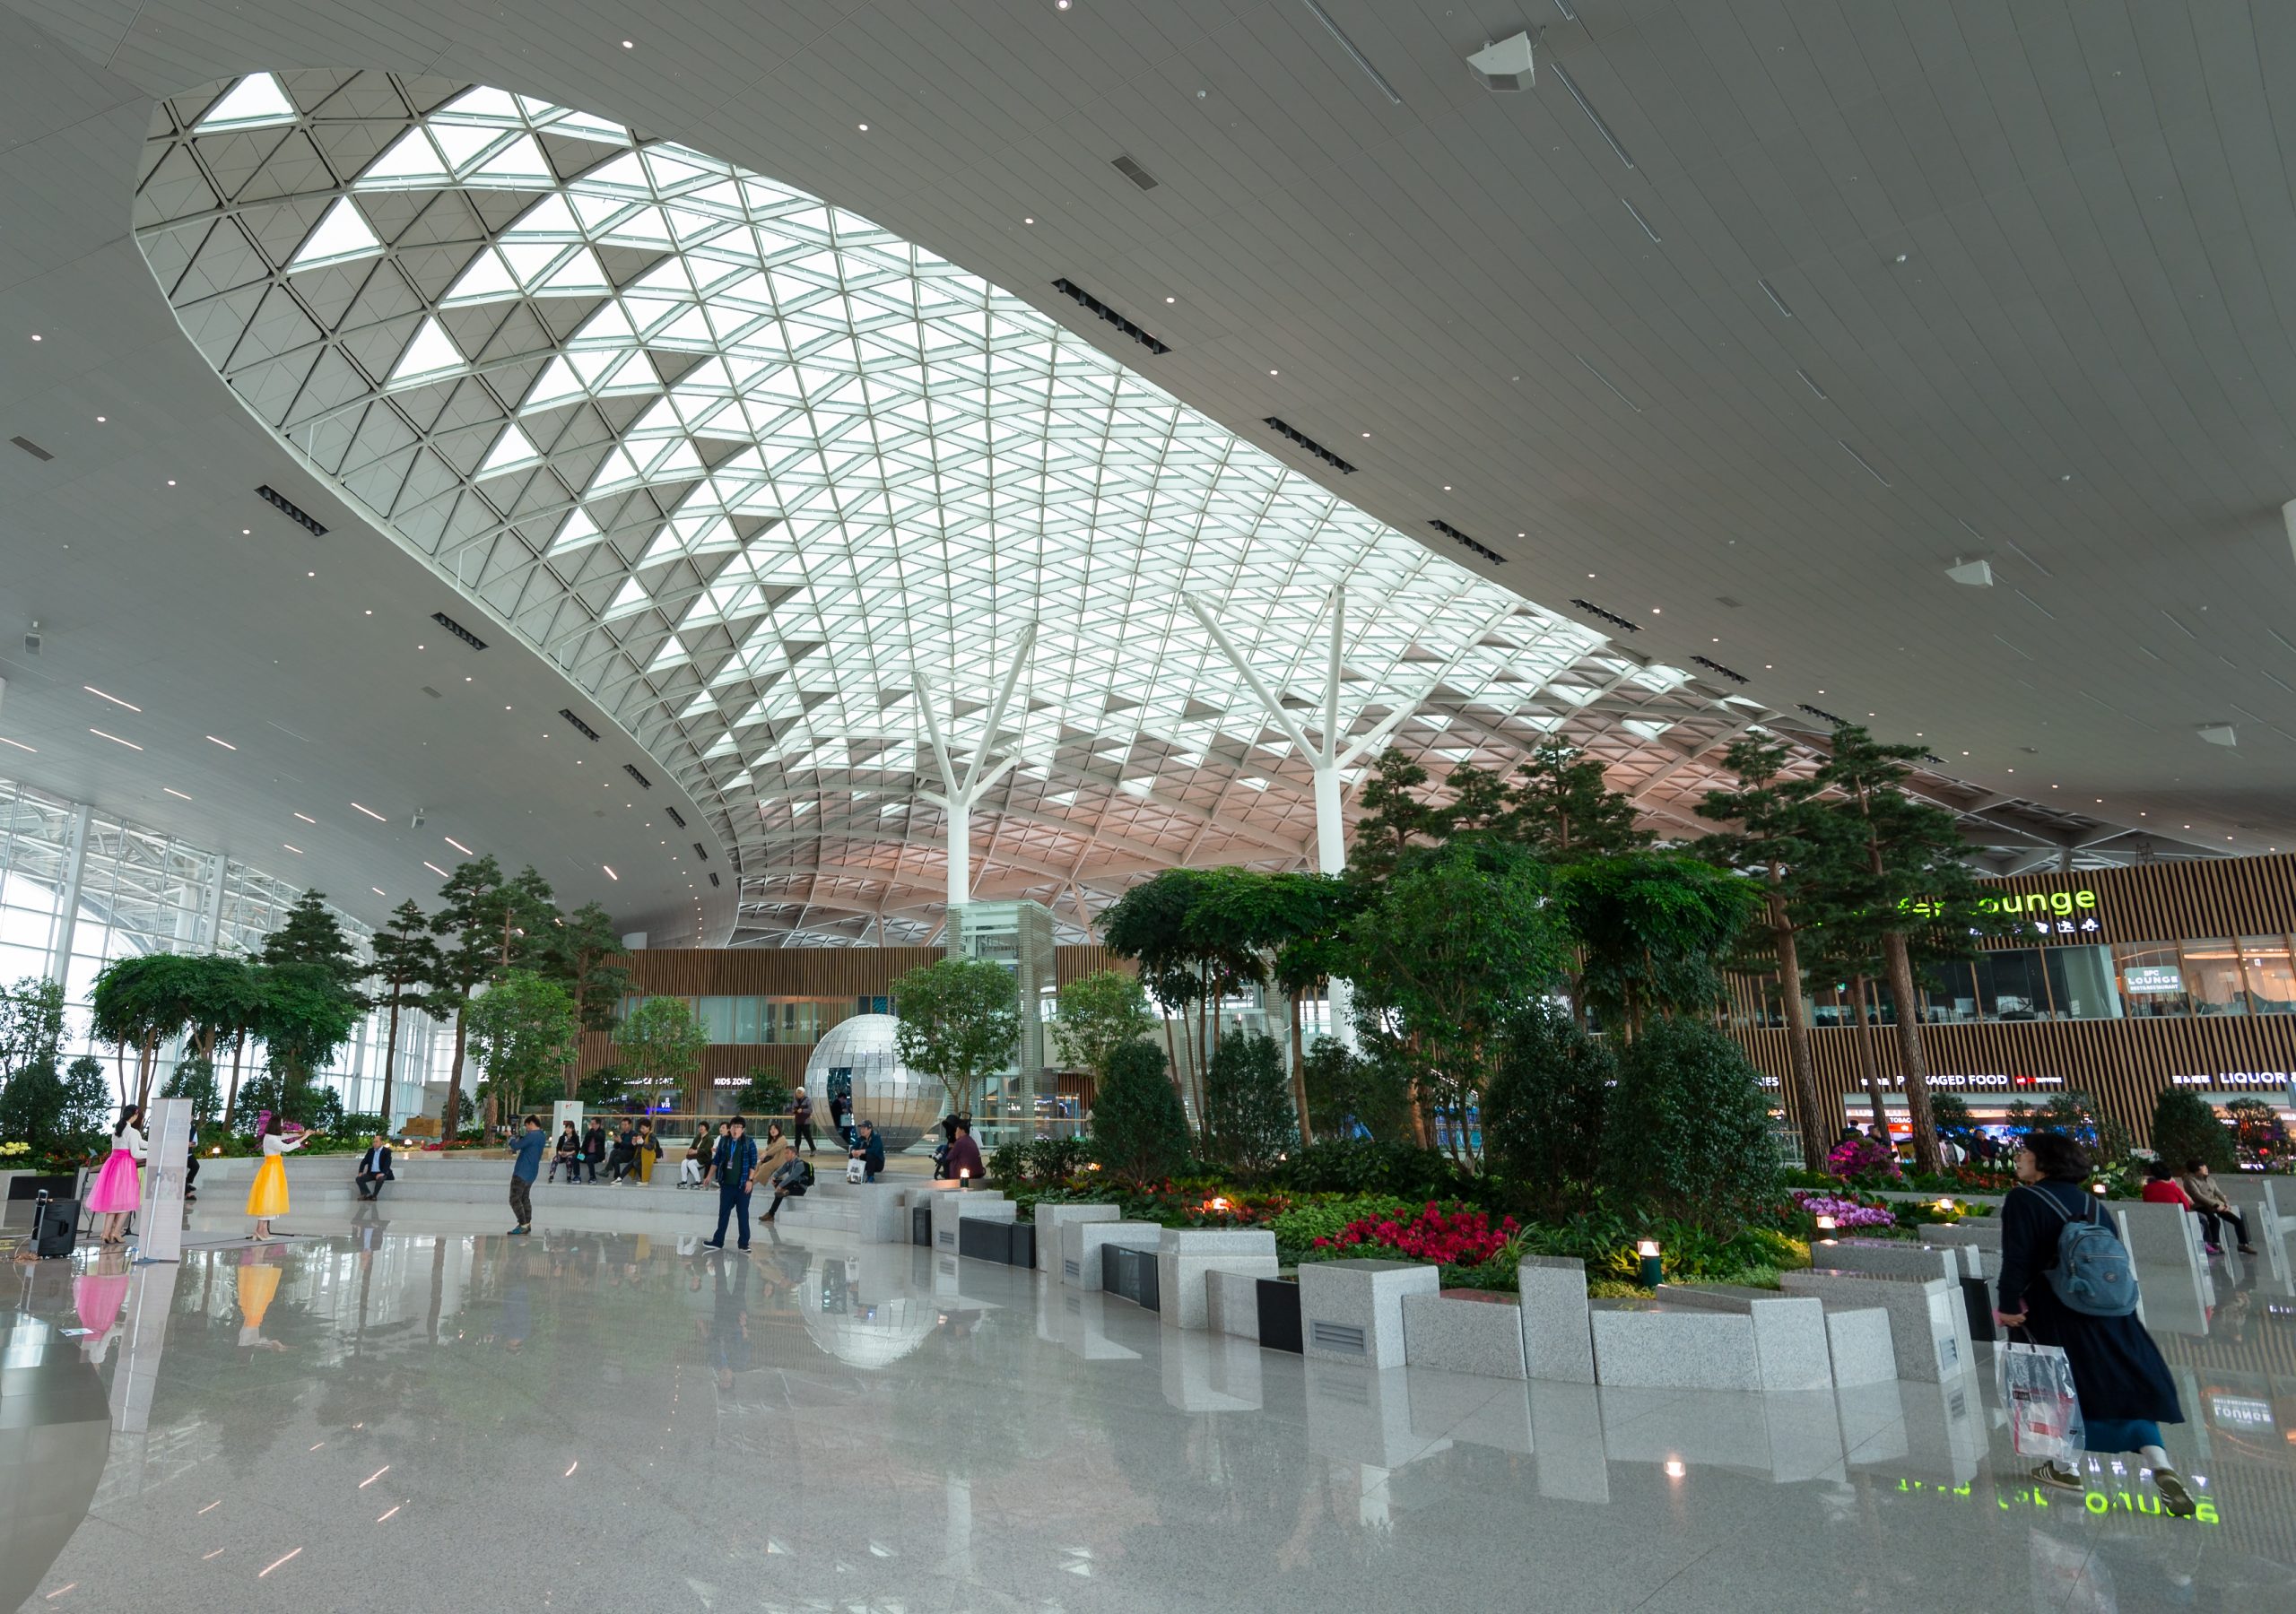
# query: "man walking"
374,1168
736,1168
523,1172
801,1123
840,1117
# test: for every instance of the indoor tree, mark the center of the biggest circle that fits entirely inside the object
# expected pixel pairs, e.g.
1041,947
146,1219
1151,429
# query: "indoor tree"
1562,808
32,1026
1139,1130
584,951
1686,1127
406,963
486,925
139,1003
959,1024
1450,945
304,1014
1904,873
523,1028
1396,817
1099,1013
2186,1128
659,1044
1184,963
1651,927
1543,1105
1248,1102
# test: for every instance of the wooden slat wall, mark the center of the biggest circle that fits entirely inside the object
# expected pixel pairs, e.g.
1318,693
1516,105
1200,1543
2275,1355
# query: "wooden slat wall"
2125,1064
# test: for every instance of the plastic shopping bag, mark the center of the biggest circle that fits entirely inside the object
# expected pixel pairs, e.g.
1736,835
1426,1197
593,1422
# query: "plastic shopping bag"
2044,1414
853,1169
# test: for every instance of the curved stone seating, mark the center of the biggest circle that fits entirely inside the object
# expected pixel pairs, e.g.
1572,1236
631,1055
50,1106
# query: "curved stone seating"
1792,1350
1928,1324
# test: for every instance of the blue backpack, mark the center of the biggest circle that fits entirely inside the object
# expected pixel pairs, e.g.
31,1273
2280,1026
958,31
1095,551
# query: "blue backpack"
2093,1274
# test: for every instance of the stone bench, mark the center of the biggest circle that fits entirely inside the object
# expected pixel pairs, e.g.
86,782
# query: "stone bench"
1184,1254
1894,1258
1653,1345
1558,1339
1928,1325
1475,1331
1050,1219
950,1209
1232,1304
1352,1311
1080,1241
1791,1347
2159,1234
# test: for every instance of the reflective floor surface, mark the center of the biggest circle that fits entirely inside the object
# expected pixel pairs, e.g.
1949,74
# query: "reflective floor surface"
411,1415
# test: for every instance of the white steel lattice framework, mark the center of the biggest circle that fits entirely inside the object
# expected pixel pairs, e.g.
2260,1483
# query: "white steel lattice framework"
762,479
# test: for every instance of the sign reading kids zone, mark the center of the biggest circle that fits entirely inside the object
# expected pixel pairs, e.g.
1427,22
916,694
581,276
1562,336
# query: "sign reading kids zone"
2049,912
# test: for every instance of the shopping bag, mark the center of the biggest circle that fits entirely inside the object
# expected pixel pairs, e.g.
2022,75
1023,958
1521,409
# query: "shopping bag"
853,1169
2044,1413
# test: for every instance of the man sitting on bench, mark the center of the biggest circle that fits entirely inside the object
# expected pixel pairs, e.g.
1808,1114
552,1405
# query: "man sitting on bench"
374,1168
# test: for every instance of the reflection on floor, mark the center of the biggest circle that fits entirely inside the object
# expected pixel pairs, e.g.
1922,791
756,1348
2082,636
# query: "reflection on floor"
408,1414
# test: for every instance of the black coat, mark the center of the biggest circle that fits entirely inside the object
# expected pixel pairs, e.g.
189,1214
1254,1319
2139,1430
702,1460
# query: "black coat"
380,1160
594,1143
2118,1371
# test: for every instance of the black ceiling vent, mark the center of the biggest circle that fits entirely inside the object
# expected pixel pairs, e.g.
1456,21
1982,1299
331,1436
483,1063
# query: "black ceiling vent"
643,782
1311,446
586,731
33,449
1464,541
1133,171
1732,674
1940,761
713,879
701,851
675,817
1822,715
434,694
293,512
458,630
1068,287
1613,617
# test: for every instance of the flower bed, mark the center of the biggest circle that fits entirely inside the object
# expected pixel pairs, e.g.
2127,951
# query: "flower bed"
1848,1213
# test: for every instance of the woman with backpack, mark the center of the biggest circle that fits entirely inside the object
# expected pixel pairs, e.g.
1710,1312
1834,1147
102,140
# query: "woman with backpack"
2066,1280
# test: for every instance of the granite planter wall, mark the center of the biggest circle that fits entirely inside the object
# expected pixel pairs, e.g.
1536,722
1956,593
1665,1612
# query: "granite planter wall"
1352,1311
1465,1331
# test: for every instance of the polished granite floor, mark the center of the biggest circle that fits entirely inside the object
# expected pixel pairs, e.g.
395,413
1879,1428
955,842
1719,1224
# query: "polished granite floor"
410,1414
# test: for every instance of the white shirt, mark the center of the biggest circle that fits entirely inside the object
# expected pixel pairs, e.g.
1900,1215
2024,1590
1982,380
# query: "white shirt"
274,1143
133,1142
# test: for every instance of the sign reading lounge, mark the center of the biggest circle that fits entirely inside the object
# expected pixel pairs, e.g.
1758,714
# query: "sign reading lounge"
2053,913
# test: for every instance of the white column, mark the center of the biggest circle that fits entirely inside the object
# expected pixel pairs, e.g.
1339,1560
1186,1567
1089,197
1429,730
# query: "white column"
1331,823
214,903
67,896
958,810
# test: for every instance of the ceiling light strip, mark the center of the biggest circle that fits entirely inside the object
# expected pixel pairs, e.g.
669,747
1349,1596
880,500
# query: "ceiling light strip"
1356,56
1863,461
1606,381
1638,219
1593,117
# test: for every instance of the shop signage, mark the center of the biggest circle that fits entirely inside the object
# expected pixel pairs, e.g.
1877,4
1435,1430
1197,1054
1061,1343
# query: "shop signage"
2064,905
2237,1079
2152,977
1989,1079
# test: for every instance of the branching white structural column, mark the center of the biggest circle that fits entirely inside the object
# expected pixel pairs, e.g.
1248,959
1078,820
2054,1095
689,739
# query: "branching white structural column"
1330,755
957,795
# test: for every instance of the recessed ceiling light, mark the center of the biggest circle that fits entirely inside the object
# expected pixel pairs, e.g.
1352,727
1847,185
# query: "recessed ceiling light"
434,868
1170,299
21,746
298,851
610,873
422,646
35,335
370,613
307,818
171,481
172,791
629,44
115,739
457,846
1654,610
115,699
226,744
247,532
1273,372
1027,221
377,889
1447,486
1366,434
310,574
370,812
863,127
100,419
506,708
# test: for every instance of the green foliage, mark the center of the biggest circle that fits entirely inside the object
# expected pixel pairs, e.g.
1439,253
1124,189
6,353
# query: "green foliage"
1101,1013
584,951
1345,1088
87,1101
195,1079
661,1045
312,937
486,926
764,1093
32,1026
1248,1102
1564,811
314,1105
959,1024
1651,926
1040,1162
356,1126
1297,1229
1139,1130
1950,1112
1688,1252
523,1032
1544,1106
605,1088
2185,1128
1361,1166
2080,1117
1687,1129
31,1108
1396,816
2260,1132
304,1015
406,963
1453,942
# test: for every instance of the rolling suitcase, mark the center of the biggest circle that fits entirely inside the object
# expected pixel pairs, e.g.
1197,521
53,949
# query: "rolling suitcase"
55,1227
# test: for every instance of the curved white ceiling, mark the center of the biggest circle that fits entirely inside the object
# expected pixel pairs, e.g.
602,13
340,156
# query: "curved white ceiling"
757,476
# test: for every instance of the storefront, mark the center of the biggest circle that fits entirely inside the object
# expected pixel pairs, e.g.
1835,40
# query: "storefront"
2117,983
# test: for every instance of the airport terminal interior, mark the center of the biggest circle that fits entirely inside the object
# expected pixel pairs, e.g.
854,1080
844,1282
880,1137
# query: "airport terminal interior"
1147,804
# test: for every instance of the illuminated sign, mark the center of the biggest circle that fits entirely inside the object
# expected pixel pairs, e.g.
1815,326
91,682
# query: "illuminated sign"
2236,1078
2240,1411
2151,978
2062,904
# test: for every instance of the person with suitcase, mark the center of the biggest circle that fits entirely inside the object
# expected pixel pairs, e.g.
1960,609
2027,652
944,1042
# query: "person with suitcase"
119,1186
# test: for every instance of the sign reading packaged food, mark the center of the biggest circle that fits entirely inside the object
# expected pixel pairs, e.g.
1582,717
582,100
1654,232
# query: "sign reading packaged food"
2151,978
1997,1079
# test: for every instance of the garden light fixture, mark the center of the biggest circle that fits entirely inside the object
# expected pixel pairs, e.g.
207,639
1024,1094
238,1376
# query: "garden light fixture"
1653,1270
1825,1229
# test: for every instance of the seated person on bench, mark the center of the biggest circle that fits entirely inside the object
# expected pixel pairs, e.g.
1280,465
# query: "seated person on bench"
374,1168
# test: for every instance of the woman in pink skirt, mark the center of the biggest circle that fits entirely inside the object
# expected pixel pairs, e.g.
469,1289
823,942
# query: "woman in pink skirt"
119,1186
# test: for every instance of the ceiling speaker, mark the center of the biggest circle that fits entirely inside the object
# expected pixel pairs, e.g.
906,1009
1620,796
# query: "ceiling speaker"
1503,66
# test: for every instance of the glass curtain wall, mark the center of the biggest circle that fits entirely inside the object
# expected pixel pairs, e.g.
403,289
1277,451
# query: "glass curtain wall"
80,889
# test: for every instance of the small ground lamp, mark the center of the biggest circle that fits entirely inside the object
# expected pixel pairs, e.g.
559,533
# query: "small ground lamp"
1825,1229
964,1179
1653,1271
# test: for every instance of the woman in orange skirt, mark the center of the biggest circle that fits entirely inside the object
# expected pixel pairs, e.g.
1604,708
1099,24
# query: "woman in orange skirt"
267,1197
